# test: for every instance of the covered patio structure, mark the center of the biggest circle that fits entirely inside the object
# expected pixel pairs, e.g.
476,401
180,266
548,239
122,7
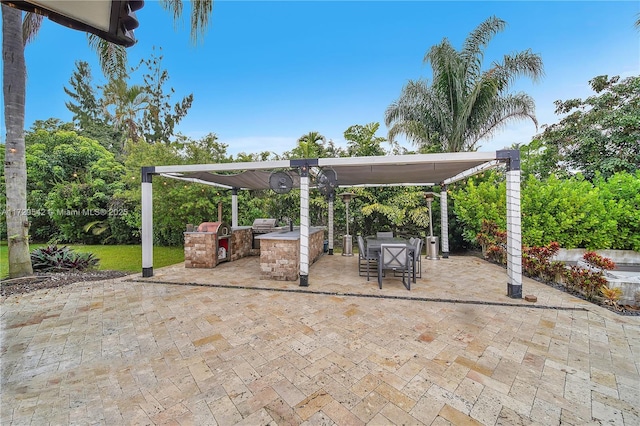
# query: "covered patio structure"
403,170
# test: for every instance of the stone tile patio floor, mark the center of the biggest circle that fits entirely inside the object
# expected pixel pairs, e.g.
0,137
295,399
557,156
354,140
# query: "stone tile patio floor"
453,350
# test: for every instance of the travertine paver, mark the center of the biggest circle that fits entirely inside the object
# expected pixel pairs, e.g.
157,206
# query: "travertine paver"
239,350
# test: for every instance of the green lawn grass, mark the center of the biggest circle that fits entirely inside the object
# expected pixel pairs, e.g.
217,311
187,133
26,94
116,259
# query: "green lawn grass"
120,258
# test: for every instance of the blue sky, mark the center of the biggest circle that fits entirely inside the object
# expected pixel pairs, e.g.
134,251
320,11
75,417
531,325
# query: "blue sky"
269,72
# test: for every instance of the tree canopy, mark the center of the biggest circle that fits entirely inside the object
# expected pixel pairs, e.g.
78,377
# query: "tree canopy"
596,135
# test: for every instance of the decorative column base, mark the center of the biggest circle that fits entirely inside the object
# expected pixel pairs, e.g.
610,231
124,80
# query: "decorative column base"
147,272
445,254
330,252
514,291
304,280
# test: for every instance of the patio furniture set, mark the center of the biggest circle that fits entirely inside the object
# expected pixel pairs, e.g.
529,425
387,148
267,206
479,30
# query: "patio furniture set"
385,252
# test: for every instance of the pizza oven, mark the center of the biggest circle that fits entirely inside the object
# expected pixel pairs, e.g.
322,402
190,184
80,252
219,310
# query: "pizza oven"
222,239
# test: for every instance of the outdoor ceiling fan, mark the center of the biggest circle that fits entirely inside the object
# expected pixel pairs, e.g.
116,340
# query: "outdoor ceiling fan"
326,181
280,182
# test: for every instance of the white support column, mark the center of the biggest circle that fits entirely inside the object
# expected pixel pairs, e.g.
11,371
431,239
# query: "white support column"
444,223
304,226
234,207
147,222
514,223
514,236
332,195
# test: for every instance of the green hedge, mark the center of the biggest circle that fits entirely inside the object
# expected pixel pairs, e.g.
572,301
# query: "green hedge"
574,212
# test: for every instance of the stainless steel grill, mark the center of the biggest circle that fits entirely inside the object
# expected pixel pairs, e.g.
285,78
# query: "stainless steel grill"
262,226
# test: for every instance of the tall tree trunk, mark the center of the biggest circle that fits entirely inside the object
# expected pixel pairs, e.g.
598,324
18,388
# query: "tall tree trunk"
15,166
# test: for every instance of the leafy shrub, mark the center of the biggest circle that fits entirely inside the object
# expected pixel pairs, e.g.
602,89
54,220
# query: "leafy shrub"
59,259
585,281
569,211
611,296
478,201
621,195
71,181
597,261
589,280
493,241
536,262
573,211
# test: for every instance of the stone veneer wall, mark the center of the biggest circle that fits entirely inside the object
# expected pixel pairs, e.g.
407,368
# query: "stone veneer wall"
316,246
280,259
200,249
241,240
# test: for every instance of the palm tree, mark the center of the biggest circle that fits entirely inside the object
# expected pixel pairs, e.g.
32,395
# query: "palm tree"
308,146
15,166
463,104
128,102
362,140
15,34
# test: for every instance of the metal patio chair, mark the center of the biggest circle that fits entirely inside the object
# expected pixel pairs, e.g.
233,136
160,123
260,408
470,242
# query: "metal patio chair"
416,261
417,258
384,234
398,258
365,260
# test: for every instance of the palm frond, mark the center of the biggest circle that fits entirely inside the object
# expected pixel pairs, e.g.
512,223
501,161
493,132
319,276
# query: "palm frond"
31,26
200,15
520,64
112,57
508,108
472,50
463,104
174,7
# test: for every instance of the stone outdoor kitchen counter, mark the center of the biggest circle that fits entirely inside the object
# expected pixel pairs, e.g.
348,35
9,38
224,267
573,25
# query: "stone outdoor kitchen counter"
280,253
286,234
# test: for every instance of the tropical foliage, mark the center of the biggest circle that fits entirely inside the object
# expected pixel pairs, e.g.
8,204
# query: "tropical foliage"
16,33
59,259
599,135
589,280
463,103
159,117
362,140
573,211
586,278
71,182
310,145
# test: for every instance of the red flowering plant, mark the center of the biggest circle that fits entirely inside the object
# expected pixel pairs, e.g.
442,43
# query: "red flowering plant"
536,261
585,281
589,280
597,261
497,254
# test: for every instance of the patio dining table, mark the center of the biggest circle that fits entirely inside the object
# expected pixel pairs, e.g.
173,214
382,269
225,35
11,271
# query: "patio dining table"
373,247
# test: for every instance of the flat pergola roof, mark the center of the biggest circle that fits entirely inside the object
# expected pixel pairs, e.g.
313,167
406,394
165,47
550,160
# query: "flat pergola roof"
405,170
416,169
